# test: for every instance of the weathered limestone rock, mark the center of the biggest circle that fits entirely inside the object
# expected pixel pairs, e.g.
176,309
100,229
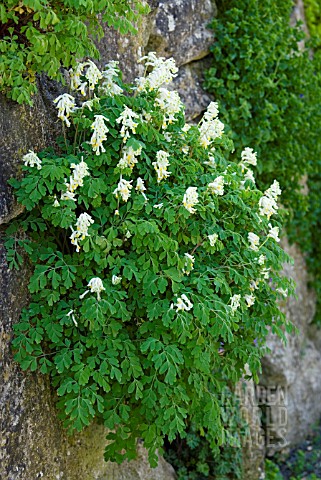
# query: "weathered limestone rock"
22,128
176,29
181,30
293,370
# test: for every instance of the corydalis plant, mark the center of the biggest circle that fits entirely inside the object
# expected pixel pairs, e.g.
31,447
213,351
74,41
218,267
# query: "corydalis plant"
156,270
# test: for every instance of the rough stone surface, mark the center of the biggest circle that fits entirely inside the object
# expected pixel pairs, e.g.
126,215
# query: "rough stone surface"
188,41
23,128
181,29
291,374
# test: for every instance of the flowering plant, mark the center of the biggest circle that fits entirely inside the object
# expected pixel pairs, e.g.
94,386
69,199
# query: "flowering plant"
157,262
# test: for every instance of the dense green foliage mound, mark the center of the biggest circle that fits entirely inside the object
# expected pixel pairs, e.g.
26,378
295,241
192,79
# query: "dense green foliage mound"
313,17
41,36
269,92
156,262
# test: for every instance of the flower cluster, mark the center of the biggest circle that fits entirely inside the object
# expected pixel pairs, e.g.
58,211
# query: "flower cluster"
129,157
83,223
161,165
80,171
190,199
183,303
109,74
268,203
140,187
31,159
92,76
189,263
170,103
126,119
217,187
123,189
274,233
99,135
95,286
235,302
211,127
249,156
254,241
66,105
163,72
212,238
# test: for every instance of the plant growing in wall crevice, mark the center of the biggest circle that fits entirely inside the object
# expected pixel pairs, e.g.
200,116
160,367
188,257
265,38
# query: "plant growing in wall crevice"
156,261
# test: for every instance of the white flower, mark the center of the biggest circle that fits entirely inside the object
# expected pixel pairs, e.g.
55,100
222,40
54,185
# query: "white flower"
283,292
68,196
168,136
250,299
190,199
217,187
129,158
126,119
56,203
161,165
32,160
183,303
170,103
159,205
93,74
110,73
235,302
185,149
254,241
212,239
140,187
267,203
116,280
211,112
261,259
71,313
65,105
95,286
274,191
274,233
248,156
211,161
80,171
267,206
163,72
254,285
123,189
186,127
75,76
83,222
90,103
265,272
249,175
211,127
128,234
189,263
99,136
